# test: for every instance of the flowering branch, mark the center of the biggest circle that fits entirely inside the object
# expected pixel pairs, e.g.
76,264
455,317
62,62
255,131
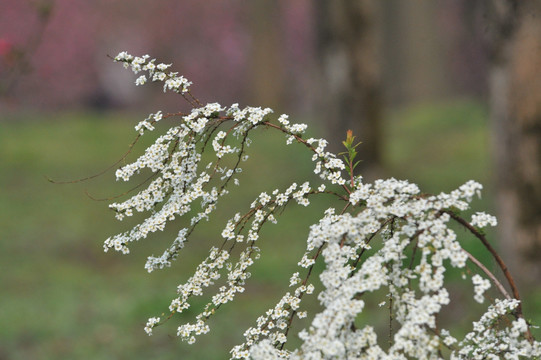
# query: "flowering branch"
500,263
363,248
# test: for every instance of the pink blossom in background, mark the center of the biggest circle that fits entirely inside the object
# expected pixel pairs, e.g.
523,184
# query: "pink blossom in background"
208,42
5,47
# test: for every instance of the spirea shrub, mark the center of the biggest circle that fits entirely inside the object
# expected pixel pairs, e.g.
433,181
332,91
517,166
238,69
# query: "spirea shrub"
387,238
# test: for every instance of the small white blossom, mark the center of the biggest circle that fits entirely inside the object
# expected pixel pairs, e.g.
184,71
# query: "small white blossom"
150,324
141,80
480,286
481,219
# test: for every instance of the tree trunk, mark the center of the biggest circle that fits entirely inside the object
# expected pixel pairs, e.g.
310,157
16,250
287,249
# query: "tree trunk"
515,106
525,102
266,72
350,93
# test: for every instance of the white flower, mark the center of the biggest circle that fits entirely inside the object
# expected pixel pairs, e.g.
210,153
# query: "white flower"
480,286
151,323
481,219
141,80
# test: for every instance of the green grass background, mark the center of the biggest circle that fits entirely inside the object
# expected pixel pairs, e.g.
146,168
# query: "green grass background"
61,297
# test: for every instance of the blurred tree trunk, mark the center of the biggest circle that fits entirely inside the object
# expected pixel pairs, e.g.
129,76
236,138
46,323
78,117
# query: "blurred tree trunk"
350,91
525,101
514,31
266,73
423,60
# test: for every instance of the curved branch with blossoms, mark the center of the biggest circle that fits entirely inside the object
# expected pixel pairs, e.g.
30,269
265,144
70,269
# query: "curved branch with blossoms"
389,238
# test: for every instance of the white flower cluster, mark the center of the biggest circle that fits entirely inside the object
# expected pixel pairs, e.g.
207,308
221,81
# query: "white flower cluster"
394,209
292,129
481,220
150,324
219,147
490,341
328,166
199,118
271,327
171,80
254,115
206,273
480,286
148,123
174,157
389,239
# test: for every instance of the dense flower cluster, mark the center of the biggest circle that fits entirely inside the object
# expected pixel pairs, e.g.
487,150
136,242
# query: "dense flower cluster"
389,239
489,341
481,220
155,72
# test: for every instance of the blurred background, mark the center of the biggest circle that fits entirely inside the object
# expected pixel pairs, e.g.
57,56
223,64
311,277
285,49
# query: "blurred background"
439,92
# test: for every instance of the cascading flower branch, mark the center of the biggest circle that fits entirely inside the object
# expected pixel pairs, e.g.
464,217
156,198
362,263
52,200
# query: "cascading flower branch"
389,238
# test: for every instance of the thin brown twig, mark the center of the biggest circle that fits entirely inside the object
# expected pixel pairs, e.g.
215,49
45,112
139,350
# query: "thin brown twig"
194,98
124,193
130,148
489,274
